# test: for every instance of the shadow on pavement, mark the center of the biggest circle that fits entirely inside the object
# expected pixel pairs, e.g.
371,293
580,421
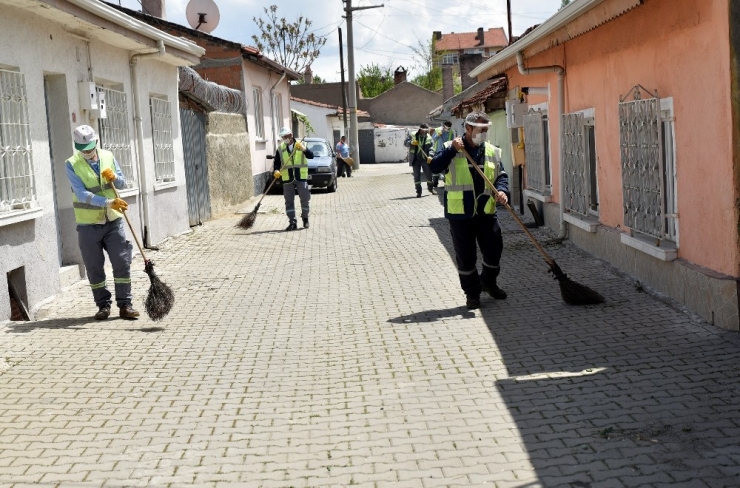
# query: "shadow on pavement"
433,315
69,323
632,390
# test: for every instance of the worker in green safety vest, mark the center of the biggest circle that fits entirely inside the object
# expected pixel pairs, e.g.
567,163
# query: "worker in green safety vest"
470,206
98,211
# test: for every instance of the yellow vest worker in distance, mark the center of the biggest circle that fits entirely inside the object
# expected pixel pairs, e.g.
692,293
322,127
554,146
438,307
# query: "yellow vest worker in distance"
91,171
292,167
470,206
420,155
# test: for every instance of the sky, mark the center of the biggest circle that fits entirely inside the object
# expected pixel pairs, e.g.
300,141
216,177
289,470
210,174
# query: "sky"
382,36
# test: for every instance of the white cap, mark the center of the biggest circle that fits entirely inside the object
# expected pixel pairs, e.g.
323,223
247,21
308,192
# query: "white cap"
85,138
285,132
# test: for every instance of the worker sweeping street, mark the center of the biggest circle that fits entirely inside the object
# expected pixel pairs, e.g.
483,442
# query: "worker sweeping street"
470,206
440,135
291,156
91,172
420,155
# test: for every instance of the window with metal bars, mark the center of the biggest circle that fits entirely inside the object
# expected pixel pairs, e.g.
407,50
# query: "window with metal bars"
647,148
259,120
114,132
579,164
164,154
537,151
17,185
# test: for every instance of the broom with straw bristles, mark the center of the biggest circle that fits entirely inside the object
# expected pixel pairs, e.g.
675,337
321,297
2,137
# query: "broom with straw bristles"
573,293
160,298
247,221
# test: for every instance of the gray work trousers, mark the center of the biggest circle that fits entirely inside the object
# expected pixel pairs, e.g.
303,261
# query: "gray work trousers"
289,190
420,166
110,237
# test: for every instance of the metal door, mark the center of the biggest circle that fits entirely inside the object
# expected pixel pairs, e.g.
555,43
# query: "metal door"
196,169
366,145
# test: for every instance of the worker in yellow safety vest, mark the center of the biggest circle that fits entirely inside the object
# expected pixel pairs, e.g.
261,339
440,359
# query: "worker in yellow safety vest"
470,206
91,172
290,164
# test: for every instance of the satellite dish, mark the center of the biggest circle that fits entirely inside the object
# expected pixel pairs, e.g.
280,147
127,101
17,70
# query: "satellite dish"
202,15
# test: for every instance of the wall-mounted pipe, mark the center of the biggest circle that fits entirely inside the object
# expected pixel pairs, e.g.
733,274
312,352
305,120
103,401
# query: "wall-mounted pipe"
139,130
561,108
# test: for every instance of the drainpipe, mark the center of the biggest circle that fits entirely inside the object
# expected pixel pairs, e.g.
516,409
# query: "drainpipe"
272,110
561,107
139,129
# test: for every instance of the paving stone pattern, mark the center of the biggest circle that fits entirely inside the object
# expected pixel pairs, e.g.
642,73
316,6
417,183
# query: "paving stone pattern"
342,355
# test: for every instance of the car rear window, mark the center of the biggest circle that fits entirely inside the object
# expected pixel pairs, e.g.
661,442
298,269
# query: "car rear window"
318,149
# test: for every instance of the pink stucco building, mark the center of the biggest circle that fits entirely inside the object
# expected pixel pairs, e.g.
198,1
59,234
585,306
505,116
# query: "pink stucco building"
630,115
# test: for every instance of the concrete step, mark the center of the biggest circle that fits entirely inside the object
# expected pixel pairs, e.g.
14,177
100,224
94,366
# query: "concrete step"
71,274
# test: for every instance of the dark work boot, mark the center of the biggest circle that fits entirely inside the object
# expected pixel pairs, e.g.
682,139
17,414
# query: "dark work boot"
103,313
305,222
431,190
494,291
293,225
128,312
418,192
472,302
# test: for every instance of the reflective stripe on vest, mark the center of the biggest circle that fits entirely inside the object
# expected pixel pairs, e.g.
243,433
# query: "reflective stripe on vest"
459,180
289,162
86,213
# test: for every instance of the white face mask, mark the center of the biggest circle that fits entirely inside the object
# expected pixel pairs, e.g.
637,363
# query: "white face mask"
479,138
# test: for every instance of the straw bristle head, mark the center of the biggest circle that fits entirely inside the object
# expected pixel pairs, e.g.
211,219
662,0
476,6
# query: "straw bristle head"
247,221
160,299
577,294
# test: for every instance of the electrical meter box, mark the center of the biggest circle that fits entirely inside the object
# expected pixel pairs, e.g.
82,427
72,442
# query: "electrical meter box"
88,95
515,112
101,112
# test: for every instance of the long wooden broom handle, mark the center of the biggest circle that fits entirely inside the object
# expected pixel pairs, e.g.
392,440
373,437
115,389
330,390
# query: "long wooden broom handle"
549,260
141,249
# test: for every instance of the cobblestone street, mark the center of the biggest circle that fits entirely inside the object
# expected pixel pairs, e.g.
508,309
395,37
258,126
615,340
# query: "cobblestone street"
343,355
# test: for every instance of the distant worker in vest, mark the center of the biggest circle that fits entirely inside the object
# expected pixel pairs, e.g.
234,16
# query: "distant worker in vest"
344,162
439,137
98,212
470,206
420,155
292,166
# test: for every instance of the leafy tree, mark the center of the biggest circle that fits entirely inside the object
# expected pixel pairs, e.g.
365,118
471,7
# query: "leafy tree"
290,44
374,80
427,62
565,3
317,80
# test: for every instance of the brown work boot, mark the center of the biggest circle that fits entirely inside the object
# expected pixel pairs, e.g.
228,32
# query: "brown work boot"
128,312
103,313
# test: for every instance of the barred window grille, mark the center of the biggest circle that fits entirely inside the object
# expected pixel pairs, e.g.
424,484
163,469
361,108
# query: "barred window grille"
114,132
579,164
648,168
164,154
259,120
277,116
536,148
17,185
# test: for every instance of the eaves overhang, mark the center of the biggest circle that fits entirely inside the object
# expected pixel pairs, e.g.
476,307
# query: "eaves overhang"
571,21
94,20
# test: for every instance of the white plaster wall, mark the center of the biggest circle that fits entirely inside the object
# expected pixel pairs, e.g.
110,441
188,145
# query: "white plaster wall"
255,75
38,48
317,117
389,146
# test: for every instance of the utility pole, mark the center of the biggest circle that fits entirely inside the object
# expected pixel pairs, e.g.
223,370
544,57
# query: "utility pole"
354,146
508,17
344,94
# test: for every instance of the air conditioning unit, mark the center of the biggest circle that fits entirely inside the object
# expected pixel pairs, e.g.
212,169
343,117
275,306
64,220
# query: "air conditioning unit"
515,112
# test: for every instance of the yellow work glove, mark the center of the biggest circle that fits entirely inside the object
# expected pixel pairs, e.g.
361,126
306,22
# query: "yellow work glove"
299,146
277,174
429,160
414,142
108,174
118,205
